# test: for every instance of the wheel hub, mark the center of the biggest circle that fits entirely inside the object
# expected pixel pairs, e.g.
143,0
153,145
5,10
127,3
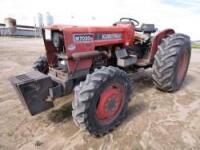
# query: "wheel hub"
110,102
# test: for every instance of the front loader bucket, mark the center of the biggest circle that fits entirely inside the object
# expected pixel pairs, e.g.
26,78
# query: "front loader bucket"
33,91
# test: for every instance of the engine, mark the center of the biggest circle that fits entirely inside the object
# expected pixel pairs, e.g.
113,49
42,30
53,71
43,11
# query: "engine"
139,49
58,43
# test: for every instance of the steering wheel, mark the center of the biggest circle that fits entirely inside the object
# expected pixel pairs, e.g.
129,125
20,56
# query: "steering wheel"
129,20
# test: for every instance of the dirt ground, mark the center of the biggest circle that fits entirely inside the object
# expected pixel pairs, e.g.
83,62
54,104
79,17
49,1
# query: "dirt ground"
155,120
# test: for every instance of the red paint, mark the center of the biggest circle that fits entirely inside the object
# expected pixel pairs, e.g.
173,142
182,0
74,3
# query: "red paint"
126,30
157,40
49,51
110,103
182,66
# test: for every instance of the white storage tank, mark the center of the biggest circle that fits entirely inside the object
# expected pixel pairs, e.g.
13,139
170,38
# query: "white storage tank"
10,24
48,19
39,20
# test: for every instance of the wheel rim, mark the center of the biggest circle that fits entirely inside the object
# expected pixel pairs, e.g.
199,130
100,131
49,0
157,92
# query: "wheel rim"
182,66
110,103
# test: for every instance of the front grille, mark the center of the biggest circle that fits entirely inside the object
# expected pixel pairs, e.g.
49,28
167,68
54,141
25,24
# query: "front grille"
23,78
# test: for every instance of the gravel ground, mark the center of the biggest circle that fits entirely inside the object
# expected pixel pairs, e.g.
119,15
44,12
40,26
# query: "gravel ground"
155,120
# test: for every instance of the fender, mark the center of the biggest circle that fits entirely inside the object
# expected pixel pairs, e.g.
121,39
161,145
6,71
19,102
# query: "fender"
157,40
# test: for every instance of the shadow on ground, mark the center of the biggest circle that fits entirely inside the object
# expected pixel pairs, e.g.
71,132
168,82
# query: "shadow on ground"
60,114
188,81
135,110
142,83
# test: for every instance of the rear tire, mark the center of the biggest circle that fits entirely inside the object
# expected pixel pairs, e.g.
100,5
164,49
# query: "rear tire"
101,101
171,62
41,65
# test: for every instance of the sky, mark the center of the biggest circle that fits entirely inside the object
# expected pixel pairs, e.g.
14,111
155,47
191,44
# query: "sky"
183,16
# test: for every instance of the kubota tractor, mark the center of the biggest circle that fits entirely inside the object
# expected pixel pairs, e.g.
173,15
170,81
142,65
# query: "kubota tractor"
99,59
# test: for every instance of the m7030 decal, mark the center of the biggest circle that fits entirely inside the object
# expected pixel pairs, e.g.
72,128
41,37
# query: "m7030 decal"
83,37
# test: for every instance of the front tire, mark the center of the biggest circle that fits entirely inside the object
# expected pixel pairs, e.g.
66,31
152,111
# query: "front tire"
41,65
171,62
101,101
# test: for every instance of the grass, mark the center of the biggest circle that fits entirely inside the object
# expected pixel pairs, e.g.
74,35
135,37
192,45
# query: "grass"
196,46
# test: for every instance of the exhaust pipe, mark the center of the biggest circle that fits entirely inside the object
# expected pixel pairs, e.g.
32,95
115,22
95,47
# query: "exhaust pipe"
85,55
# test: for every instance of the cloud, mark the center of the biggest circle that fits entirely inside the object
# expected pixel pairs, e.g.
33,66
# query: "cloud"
183,16
191,5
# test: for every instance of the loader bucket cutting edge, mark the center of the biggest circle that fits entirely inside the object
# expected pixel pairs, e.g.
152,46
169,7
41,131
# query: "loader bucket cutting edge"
33,89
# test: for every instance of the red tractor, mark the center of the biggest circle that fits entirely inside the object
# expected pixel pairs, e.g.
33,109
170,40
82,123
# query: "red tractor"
99,59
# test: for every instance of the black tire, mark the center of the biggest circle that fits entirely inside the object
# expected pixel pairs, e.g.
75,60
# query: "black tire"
171,62
41,65
87,99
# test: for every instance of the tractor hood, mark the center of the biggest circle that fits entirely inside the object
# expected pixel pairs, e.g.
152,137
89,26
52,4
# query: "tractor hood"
71,28
79,39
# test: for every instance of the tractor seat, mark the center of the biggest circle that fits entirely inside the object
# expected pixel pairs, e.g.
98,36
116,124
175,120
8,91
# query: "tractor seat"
146,28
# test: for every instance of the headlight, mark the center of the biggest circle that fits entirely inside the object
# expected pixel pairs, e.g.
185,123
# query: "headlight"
47,33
